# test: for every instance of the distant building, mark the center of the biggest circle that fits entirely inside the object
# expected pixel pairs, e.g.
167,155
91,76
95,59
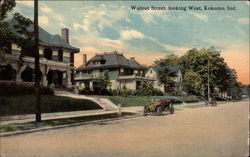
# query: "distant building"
153,72
123,72
56,60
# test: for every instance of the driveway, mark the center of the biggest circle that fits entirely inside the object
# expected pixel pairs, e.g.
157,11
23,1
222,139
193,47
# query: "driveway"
206,131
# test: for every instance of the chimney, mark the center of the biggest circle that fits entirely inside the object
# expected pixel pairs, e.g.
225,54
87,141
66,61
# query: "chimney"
65,34
132,58
84,59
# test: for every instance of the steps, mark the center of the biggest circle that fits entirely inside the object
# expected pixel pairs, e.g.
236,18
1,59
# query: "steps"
106,104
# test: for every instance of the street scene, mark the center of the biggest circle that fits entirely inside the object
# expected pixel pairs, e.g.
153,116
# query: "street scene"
124,78
203,131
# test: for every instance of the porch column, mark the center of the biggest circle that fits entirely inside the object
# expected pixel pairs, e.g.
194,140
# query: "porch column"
91,85
82,84
19,71
43,70
69,83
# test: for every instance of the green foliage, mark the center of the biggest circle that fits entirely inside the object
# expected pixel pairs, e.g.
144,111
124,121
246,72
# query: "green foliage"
21,89
166,77
206,62
23,37
102,84
146,90
168,60
192,82
197,65
6,6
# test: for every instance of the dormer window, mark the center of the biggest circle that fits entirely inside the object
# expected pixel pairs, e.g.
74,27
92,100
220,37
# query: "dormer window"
96,63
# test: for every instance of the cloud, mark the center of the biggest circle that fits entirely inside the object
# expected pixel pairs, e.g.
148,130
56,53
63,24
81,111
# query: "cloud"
150,16
178,50
130,34
96,17
63,25
45,9
43,20
200,16
27,3
243,21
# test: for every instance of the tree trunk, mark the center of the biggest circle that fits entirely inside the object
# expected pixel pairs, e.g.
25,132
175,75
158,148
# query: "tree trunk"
37,69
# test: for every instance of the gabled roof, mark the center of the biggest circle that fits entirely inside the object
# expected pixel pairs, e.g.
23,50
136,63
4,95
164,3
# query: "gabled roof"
45,38
111,60
173,68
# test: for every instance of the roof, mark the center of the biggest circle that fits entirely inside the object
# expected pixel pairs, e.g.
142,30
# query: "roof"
109,60
45,38
173,68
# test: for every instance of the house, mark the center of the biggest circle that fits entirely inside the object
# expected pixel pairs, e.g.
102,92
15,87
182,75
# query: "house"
123,72
153,72
56,60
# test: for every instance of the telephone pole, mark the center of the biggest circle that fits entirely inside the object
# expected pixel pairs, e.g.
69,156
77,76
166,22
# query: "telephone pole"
208,84
37,68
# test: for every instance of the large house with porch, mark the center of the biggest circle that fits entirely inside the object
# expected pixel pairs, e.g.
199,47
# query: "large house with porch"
123,72
56,60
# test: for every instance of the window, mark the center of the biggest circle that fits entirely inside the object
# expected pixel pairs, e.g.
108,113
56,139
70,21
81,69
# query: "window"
66,59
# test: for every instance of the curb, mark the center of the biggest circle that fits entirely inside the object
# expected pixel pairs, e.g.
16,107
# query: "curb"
64,126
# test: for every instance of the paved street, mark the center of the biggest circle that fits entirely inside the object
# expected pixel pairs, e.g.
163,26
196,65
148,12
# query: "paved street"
206,131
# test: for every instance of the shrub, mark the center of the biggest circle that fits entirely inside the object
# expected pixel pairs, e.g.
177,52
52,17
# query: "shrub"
144,91
11,88
85,91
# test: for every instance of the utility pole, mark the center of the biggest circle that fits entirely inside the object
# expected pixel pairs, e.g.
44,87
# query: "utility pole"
208,84
37,68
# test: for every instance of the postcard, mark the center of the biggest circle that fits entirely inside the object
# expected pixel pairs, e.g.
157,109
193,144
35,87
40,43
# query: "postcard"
152,78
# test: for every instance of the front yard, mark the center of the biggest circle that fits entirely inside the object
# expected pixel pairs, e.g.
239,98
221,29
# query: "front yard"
25,104
144,100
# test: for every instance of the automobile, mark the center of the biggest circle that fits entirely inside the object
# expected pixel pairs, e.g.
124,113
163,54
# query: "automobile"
158,106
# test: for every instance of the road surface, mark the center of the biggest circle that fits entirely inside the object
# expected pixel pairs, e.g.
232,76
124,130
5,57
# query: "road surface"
206,131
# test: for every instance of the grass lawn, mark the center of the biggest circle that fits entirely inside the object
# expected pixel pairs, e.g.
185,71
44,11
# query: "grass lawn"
129,100
25,104
57,122
144,100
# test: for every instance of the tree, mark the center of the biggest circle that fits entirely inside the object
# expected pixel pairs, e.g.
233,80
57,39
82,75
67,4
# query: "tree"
103,83
208,63
22,36
166,77
192,82
168,60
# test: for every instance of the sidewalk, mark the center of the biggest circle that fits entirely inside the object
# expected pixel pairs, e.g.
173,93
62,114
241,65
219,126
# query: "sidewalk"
59,115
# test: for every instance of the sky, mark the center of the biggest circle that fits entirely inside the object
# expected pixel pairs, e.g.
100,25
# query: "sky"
147,35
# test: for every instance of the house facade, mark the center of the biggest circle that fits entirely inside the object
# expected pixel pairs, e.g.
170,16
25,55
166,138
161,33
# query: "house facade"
153,72
56,60
123,73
